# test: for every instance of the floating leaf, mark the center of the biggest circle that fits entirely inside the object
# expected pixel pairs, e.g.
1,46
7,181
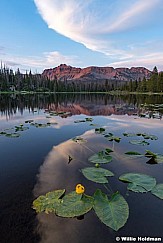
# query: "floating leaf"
89,119
40,125
111,137
138,182
12,135
73,205
139,142
114,212
135,154
29,121
53,114
158,191
108,151
148,136
155,158
79,121
49,202
20,128
100,130
129,134
96,174
159,158
2,133
79,140
150,154
100,158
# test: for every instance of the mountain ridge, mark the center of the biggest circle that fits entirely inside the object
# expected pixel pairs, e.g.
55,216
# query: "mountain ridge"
68,73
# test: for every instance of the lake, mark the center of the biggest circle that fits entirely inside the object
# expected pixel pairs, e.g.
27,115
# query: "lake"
36,133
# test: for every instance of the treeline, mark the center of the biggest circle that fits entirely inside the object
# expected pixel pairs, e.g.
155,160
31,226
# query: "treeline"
16,81
154,84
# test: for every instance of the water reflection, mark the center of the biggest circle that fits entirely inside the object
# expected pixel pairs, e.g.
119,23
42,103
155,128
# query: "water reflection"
57,173
88,104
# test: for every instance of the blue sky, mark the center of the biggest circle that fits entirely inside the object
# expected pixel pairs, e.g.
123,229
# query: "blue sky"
39,34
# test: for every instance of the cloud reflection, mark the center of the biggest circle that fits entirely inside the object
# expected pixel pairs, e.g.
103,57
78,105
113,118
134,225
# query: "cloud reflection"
57,173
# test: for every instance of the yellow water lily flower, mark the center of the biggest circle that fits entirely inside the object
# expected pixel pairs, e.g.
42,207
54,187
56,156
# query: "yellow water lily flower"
80,189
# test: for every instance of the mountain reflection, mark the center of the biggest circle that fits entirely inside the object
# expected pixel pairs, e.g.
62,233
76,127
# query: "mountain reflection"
88,104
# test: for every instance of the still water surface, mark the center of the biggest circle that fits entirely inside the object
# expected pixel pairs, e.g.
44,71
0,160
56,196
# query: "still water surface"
37,162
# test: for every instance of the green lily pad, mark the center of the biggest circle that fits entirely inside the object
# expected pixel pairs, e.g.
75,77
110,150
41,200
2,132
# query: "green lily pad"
49,202
112,212
79,140
155,158
159,158
148,136
108,151
96,174
2,133
79,121
150,154
89,119
158,191
139,142
12,135
40,125
74,205
20,128
100,158
111,137
129,134
138,182
100,130
29,121
133,153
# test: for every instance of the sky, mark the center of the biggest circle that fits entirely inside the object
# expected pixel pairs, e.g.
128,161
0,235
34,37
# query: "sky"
39,34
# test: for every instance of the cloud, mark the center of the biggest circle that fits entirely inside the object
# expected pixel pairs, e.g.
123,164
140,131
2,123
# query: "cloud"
87,22
148,61
102,27
45,60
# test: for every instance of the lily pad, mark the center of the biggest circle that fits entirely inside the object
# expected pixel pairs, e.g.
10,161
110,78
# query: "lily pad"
96,174
139,142
12,135
2,133
150,154
73,205
111,137
79,121
148,136
20,128
155,158
112,212
159,158
29,121
133,153
100,158
89,119
100,130
108,151
79,140
138,182
129,134
158,191
49,202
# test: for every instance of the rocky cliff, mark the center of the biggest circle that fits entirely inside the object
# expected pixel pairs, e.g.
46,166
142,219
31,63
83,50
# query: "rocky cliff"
68,73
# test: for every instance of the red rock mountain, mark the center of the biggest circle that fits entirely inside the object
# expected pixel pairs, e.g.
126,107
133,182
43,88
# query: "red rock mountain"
68,73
